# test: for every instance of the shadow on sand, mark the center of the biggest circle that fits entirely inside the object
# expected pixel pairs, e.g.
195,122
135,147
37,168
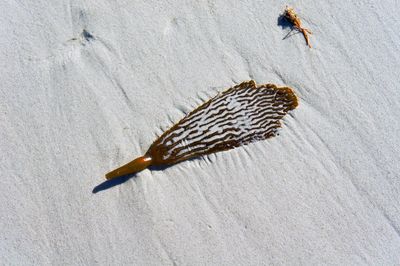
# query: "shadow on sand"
285,24
111,183
120,180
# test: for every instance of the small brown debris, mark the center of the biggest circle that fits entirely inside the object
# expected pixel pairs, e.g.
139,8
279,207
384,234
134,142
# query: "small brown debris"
292,17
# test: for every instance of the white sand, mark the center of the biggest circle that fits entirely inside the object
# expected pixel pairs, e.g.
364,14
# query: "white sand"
326,191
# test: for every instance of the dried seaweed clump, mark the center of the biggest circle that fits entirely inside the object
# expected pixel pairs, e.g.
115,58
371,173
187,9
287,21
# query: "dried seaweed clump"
292,17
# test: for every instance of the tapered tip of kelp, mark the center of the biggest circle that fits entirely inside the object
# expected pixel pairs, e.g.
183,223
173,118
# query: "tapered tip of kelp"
135,166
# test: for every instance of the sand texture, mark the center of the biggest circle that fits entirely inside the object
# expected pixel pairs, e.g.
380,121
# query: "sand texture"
87,86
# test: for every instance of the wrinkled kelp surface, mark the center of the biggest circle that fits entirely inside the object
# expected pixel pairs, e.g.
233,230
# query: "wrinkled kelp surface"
238,116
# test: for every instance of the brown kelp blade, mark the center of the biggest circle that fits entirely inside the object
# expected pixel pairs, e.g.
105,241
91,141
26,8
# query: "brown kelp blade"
238,116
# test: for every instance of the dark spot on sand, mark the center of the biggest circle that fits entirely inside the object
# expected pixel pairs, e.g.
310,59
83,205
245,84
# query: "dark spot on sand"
87,35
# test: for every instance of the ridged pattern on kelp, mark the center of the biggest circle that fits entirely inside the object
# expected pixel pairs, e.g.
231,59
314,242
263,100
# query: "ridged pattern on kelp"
238,116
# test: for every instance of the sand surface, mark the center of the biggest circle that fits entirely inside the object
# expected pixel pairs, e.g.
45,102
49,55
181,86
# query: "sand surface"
87,86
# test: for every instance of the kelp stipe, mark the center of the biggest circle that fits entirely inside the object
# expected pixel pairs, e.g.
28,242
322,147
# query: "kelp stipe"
135,166
238,116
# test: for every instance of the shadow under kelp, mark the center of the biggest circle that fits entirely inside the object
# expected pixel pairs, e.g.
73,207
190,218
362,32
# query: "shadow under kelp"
120,180
111,183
